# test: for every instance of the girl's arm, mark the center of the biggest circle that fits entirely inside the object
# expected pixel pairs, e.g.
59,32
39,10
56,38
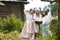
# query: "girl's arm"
49,17
26,12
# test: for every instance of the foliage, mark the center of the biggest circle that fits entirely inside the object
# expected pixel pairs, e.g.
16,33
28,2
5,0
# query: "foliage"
53,28
12,26
10,23
53,8
14,35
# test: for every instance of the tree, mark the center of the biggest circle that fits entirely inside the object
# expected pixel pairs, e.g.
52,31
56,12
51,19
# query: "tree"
53,8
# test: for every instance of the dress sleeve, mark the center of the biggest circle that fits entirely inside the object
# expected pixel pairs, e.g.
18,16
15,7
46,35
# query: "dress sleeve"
49,17
34,17
26,13
49,14
40,15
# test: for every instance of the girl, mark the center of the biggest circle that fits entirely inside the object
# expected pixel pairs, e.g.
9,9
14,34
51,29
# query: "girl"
37,19
28,29
45,22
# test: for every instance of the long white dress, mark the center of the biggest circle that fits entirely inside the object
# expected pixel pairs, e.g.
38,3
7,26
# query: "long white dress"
36,26
28,27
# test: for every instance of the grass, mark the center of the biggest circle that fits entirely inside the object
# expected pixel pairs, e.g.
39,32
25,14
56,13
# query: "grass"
14,35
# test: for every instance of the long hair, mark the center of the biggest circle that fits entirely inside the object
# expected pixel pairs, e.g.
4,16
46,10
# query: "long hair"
45,13
30,11
38,14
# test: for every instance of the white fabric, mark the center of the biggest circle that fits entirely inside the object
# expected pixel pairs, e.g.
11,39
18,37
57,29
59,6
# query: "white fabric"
31,36
28,26
47,18
28,16
37,18
36,26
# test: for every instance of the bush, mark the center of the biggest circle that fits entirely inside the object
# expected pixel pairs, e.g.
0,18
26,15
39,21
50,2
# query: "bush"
10,23
14,35
54,30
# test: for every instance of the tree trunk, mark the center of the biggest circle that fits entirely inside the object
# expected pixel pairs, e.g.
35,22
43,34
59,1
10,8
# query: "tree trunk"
58,19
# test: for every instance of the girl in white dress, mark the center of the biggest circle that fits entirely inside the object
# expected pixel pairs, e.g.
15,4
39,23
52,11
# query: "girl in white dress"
37,19
45,22
28,29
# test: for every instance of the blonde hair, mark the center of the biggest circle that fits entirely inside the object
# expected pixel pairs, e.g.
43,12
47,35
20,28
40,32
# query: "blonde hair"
38,14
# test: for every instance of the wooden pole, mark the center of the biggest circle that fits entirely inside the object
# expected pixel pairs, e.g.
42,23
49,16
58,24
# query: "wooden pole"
58,19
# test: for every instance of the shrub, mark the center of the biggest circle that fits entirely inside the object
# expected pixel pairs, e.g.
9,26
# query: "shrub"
10,36
10,23
54,30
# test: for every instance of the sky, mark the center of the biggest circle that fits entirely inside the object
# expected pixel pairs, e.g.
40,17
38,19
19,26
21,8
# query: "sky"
35,4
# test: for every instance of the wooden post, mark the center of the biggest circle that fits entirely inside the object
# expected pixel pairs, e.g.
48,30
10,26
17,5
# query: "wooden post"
22,12
58,19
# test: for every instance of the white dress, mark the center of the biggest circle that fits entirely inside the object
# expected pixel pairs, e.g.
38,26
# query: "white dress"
28,26
36,26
